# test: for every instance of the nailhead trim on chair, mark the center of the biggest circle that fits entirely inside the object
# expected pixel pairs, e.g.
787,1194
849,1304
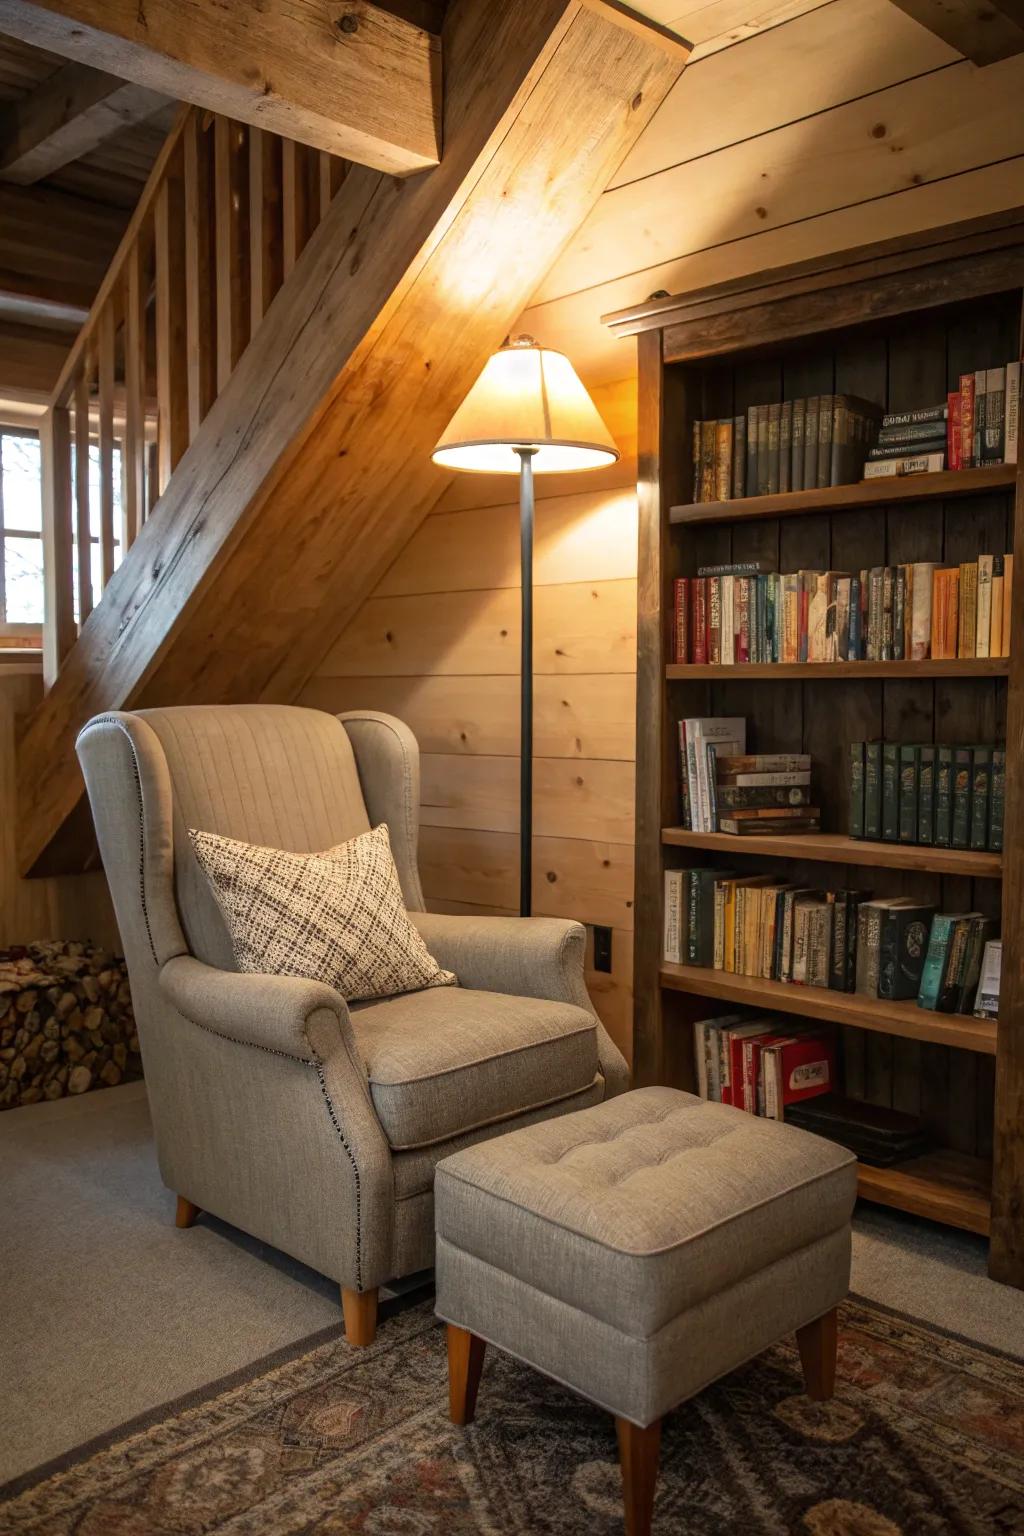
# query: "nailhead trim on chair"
355,1173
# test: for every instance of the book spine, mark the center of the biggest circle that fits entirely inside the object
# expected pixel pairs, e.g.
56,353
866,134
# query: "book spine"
692,907
856,639
934,963
714,628
762,450
926,795
908,809
888,954
837,956
954,432
981,795
698,431
995,415
672,947
966,420
723,460
919,464
961,797
887,614
943,797
899,594
742,618
967,605
856,812
774,424
983,625
681,624
786,446
890,791
1011,419
997,800
823,467
707,460
980,414
915,418
873,789
750,476
739,456
1004,649
810,476
796,470
699,627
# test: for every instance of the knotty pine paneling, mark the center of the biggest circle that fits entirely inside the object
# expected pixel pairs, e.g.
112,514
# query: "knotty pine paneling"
437,645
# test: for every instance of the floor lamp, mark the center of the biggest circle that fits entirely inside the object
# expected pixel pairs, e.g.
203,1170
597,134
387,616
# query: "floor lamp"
527,414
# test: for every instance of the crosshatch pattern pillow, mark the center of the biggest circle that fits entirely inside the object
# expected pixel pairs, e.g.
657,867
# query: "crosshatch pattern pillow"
336,916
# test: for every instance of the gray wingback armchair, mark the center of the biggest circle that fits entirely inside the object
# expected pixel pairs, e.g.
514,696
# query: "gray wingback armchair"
313,1125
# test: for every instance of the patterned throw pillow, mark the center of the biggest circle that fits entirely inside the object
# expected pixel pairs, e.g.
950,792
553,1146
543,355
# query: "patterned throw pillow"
336,916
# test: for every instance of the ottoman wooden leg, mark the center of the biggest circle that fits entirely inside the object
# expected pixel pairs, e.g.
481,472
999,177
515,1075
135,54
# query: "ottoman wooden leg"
465,1362
818,1342
638,1458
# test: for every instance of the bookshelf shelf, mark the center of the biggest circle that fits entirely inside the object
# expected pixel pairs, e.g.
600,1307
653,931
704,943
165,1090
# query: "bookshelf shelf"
898,324
905,1020
833,848
826,671
942,485
945,1186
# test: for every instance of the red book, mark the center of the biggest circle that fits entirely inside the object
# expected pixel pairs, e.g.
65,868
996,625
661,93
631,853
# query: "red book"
742,600
954,439
806,1067
699,610
966,420
681,629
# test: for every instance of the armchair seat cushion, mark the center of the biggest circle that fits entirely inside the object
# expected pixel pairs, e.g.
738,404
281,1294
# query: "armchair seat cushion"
442,1062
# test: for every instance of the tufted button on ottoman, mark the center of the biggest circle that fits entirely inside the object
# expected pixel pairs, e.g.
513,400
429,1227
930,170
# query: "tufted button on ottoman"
637,1251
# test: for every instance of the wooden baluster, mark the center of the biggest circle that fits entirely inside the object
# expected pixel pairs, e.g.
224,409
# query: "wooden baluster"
134,384
266,268
83,531
105,371
58,544
232,245
199,316
296,199
171,343
330,175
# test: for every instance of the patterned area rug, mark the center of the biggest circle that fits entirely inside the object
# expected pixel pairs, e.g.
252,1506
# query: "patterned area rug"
925,1438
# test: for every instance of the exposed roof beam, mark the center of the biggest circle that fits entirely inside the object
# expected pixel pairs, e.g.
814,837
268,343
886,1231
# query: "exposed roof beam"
351,78
984,31
55,248
65,117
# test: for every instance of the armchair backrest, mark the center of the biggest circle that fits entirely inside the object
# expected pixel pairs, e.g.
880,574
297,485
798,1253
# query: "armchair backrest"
272,774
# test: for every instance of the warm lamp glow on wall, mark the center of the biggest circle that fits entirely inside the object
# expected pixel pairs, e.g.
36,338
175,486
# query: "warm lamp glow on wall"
526,414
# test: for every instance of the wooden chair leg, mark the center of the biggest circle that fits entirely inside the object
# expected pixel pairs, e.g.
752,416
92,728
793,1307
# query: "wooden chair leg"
186,1212
360,1309
818,1343
638,1458
465,1362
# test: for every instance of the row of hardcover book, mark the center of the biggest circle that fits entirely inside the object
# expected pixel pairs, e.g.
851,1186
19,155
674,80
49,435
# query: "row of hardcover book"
762,1064
789,445
983,418
928,793
894,948
744,612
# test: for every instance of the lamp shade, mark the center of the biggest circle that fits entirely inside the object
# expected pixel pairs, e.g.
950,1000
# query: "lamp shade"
526,397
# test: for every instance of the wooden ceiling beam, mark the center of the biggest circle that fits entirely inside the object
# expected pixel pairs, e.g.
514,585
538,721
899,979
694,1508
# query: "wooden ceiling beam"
984,31
352,78
313,467
54,248
65,117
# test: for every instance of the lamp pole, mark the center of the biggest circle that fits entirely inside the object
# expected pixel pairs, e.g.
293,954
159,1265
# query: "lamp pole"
526,456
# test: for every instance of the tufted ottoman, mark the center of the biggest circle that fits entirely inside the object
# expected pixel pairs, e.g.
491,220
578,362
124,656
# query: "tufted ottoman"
637,1251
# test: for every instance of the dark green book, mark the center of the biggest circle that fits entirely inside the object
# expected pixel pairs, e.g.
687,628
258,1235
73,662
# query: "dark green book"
774,428
700,937
823,468
961,797
934,970
997,801
843,953
910,760
890,791
926,794
811,443
943,796
956,963
873,789
856,821
763,467
796,471
902,949
750,477
981,795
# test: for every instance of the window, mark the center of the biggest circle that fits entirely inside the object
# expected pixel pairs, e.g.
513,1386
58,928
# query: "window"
21,529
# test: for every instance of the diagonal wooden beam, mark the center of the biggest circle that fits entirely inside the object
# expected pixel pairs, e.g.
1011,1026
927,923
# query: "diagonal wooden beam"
313,467
65,117
351,77
984,31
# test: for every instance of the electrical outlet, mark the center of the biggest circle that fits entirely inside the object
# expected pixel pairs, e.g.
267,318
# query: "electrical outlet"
602,949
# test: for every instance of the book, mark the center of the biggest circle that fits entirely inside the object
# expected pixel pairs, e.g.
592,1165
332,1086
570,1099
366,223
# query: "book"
786,445
810,474
870,915
954,977
1004,649
823,466
995,634
983,618
1011,418
768,827
921,609
772,446
796,470
762,450
914,432
936,956
764,762
800,1067
926,794
877,1135
997,800
981,796
966,420
723,460
873,789
954,442
738,568
728,735
967,609
767,797
739,456
750,476
980,414
943,796
961,788
995,415
766,780
698,648
986,1001
890,791
970,971
909,777
681,621
674,934
918,464
903,944
855,814
923,414
707,460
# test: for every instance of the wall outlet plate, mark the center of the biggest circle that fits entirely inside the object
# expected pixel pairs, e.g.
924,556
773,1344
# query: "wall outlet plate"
602,949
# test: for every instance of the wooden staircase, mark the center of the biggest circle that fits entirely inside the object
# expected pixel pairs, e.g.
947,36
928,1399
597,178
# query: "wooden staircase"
280,341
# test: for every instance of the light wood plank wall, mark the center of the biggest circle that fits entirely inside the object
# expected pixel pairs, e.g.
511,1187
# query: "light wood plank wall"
438,645
73,907
816,126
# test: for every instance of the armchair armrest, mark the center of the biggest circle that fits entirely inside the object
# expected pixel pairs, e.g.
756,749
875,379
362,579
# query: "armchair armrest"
285,1014
525,957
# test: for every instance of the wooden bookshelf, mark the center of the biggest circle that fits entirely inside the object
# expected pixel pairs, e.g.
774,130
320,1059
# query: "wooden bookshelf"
834,848
896,491
906,1020
897,324
837,671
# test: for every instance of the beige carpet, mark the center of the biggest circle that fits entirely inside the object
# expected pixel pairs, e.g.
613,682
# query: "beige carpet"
110,1311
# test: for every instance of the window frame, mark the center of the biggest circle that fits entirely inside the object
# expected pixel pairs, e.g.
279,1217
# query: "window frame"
10,632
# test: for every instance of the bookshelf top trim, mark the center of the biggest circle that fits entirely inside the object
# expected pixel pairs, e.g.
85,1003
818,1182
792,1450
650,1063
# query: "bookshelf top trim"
906,1020
786,671
834,848
939,485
